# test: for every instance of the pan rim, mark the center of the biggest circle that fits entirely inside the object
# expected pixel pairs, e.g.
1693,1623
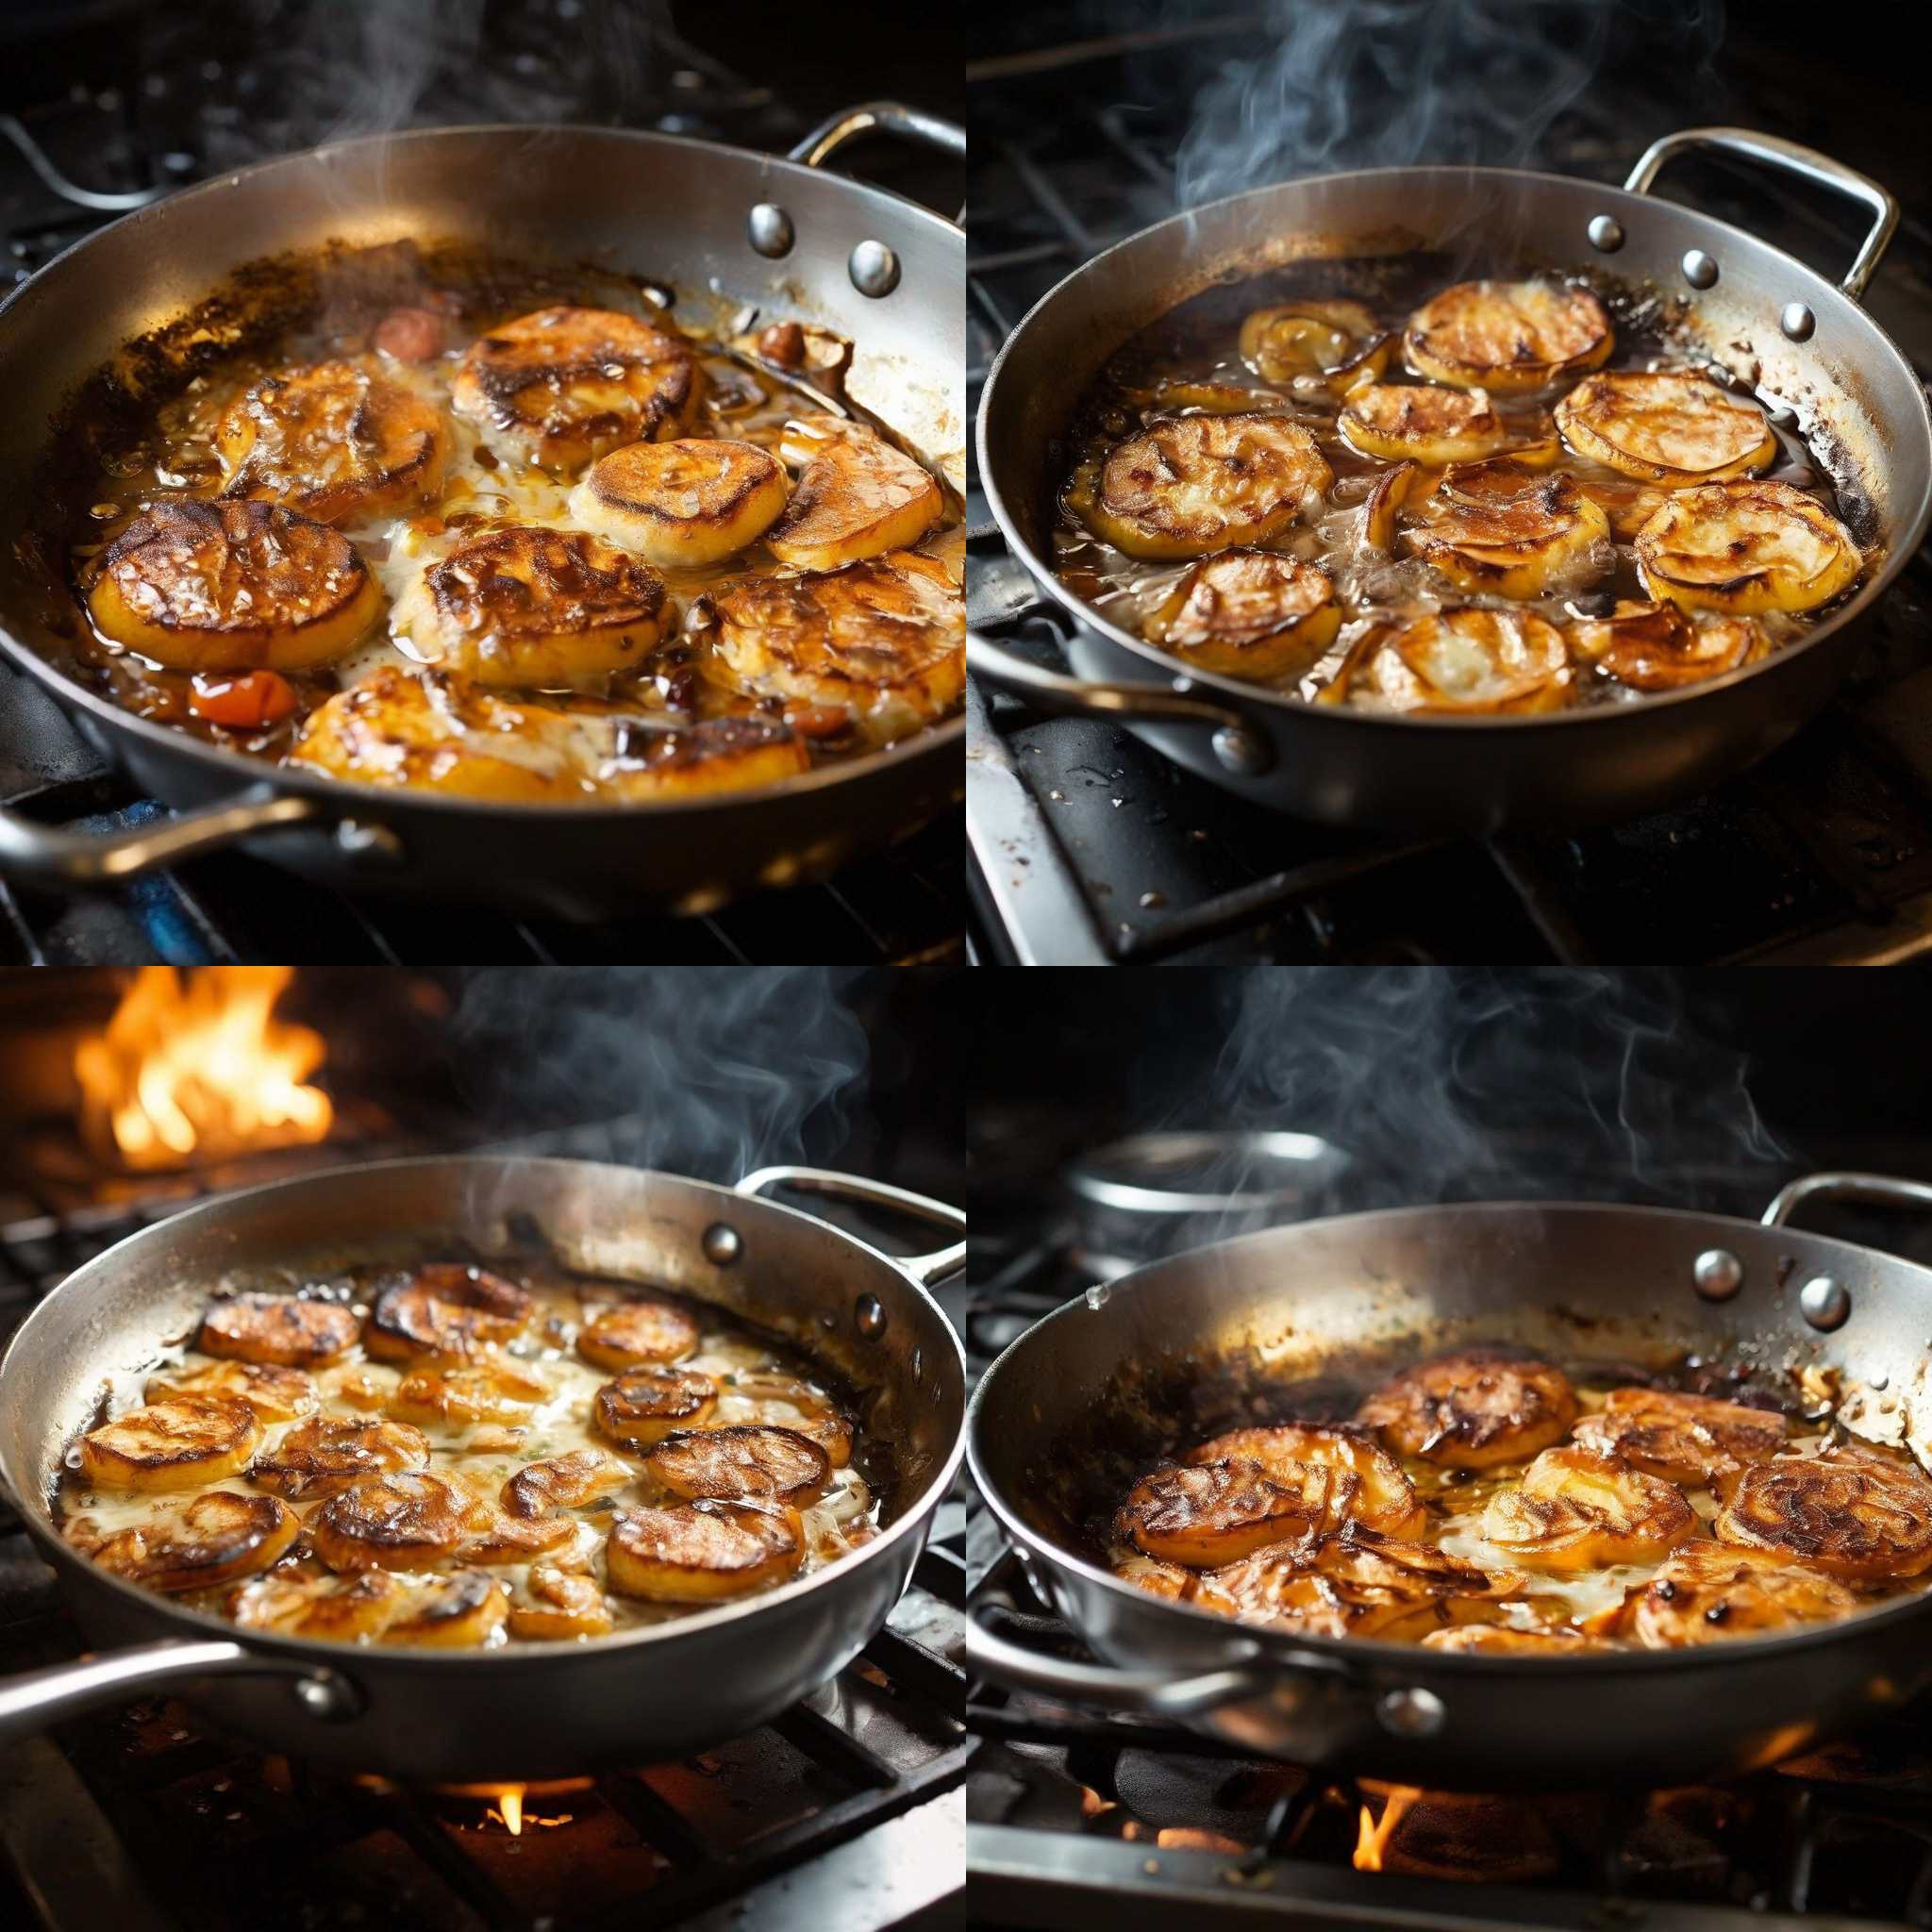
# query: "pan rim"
1899,553
1375,1656
34,1515
367,798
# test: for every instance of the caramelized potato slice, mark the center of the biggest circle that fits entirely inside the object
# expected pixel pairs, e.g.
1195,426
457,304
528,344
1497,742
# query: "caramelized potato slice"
682,504
322,1456
1194,484
1177,1584
704,1552
275,1395
635,1333
1247,613
195,1545
1463,659
481,1391
564,1482
1500,1639
553,1604
1746,548
232,586
400,1522
1707,1592
1576,1510
277,1331
1374,1492
1525,540
181,1442
1410,422
1212,1513
455,1612
338,1609
1471,1410
1507,336
643,1405
1674,429
1328,345
751,1459
498,1537
1857,1516
445,1308
1694,1440
857,496
713,755
809,1411
1385,503
1655,648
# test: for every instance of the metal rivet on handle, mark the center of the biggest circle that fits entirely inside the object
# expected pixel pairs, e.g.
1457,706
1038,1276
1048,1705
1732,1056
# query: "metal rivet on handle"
328,1696
1242,751
1717,1275
1605,234
1824,1302
721,1245
1411,1712
356,839
769,229
1797,322
874,269
1700,270
869,1317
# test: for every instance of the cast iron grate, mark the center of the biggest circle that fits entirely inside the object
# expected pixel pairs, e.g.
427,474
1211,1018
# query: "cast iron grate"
1090,848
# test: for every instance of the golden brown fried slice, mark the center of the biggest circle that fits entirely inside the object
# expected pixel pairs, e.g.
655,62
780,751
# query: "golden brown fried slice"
799,1407
456,1612
1376,1494
497,1537
1498,1640
1408,420
634,1333
1463,660
534,606
750,1459
1507,336
694,501
1356,1583
335,442
338,1609
1746,548
553,1604
1655,648
1706,1593
1247,613
1471,1410
1177,1584
643,1405
1504,529
1694,1440
181,1442
1385,503
713,755
281,1330
445,1308
405,1522
1860,1517
492,1391
1194,484
564,1482
322,1456
276,1395
1210,1513
232,586
565,385
1328,345
210,1538
1578,1510
1674,429
883,641
857,496
703,1552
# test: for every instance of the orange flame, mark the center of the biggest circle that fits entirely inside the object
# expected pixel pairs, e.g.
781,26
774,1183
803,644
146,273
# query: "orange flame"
509,1808
1373,1833
197,1066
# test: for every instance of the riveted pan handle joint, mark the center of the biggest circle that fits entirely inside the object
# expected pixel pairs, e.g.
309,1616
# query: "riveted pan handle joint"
1790,158
52,856
1880,1190
882,117
924,1269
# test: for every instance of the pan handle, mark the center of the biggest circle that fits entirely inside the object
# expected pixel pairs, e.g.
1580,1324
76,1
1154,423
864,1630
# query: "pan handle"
35,1699
924,1269
1789,156
1240,749
1846,1186
885,117
50,855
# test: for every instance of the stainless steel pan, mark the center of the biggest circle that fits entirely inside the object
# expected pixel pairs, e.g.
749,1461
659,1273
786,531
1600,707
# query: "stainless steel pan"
1806,343
1602,1283
533,1710
753,227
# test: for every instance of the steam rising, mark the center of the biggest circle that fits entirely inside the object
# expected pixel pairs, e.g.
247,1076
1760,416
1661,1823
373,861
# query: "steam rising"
730,1068
1389,83
1455,1085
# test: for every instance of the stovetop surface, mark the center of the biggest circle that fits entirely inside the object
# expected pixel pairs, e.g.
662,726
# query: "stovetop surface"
1090,848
